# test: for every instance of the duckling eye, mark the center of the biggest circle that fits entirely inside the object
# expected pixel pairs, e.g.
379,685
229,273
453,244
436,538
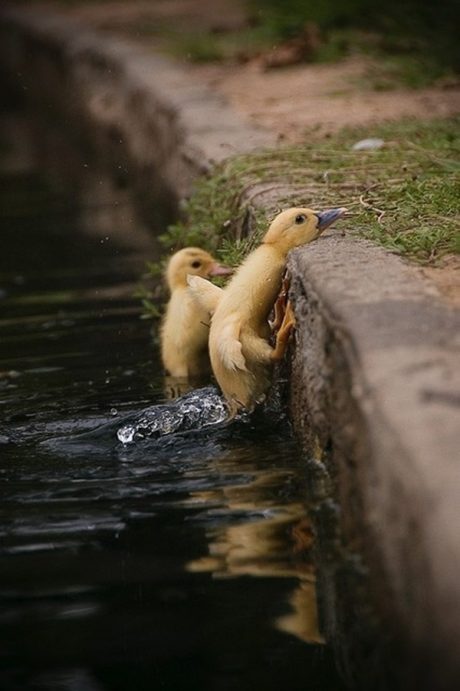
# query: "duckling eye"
196,264
300,219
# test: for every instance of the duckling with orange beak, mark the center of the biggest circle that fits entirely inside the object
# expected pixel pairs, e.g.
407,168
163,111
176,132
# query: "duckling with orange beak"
185,328
241,356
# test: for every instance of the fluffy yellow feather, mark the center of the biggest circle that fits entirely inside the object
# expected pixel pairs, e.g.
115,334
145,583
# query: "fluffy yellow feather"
185,328
241,356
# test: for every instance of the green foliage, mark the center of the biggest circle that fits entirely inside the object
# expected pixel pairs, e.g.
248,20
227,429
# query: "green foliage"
417,26
208,46
403,196
393,71
198,47
149,306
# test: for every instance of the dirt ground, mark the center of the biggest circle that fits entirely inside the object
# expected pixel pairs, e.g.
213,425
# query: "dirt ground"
302,99
293,101
296,101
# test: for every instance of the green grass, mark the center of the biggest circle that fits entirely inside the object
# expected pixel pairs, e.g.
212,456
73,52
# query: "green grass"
404,196
207,46
389,68
418,27
386,72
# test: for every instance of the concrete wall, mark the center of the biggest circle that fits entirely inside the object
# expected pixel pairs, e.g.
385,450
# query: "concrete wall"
375,387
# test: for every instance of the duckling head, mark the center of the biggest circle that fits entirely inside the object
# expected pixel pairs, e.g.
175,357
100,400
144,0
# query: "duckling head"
192,261
299,226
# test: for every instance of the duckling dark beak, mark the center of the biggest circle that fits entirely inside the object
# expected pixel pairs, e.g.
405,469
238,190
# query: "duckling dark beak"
327,218
219,270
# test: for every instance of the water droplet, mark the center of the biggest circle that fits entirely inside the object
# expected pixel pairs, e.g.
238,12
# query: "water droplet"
126,434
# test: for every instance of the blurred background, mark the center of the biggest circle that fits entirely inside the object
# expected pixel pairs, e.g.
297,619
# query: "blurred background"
418,34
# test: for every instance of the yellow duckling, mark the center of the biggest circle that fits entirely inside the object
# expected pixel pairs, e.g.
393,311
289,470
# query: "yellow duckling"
238,340
185,328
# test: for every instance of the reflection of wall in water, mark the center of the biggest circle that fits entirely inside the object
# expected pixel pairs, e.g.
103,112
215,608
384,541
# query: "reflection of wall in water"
101,197
109,211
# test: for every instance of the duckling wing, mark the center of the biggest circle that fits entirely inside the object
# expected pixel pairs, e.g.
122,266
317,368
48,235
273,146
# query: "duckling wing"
229,345
204,292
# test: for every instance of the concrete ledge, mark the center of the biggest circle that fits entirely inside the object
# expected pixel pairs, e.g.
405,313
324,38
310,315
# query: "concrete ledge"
375,385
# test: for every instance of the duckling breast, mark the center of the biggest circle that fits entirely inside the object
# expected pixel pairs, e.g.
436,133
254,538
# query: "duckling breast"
184,337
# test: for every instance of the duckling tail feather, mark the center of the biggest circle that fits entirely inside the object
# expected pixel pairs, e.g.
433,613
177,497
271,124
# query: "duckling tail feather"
229,346
204,292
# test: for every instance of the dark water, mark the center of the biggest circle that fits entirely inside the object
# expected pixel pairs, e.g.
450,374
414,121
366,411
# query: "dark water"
184,567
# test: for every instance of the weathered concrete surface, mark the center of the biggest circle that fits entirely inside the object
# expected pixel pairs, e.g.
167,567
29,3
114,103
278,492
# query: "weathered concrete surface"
169,127
375,379
376,383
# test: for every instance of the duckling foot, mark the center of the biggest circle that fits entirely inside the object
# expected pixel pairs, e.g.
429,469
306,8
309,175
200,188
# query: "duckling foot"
280,305
285,330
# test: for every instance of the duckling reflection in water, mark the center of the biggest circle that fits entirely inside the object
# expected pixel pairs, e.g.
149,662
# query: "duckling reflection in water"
275,541
241,356
185,328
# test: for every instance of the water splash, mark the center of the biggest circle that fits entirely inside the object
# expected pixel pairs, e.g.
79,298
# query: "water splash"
199,409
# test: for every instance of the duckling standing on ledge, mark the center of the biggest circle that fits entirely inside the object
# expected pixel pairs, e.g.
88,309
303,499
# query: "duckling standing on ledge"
185,328
238,340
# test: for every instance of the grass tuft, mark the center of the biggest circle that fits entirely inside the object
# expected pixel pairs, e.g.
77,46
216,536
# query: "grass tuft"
403,196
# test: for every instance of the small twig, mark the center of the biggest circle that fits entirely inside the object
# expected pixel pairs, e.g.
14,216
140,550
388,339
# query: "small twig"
380,212
432,253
